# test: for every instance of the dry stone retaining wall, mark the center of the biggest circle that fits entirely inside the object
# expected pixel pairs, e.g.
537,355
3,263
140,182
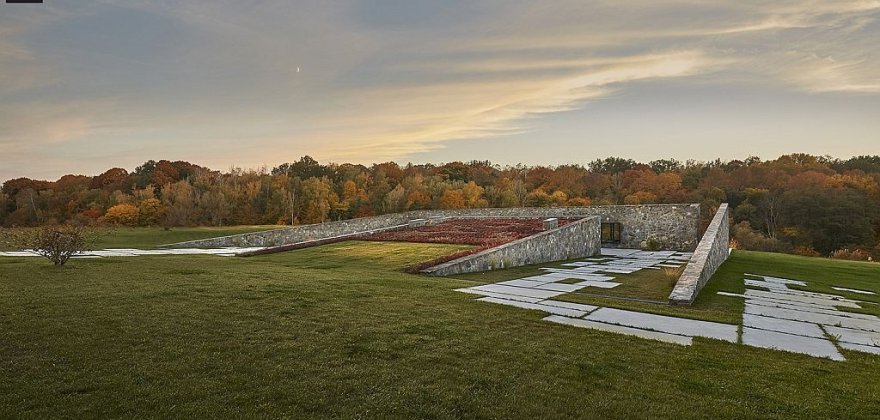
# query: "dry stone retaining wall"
711,252
574,240
291,235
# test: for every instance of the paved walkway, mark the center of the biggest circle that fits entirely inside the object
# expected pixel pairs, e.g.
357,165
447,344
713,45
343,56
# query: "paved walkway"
777,318
131,252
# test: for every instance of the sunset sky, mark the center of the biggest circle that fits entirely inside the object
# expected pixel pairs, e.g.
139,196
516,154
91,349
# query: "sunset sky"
89,85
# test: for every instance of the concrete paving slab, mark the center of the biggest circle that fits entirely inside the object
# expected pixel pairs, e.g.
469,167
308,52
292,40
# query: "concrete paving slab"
813,295
561,287
618,252
599,284
562,274
523,283
555,310
816,347
840,321
500,295
787,326
861,348
848,335
765,284
570,305
809,308
803,299
544,278
596,277
588,270
779,280
667,324
846,289
517,291
650,335
619,271
783,281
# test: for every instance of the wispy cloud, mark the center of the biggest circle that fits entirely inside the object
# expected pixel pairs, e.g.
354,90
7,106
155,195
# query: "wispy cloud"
379,83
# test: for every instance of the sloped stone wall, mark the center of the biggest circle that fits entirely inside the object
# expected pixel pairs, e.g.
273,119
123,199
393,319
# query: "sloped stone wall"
291,235
711,252
674,226
574,240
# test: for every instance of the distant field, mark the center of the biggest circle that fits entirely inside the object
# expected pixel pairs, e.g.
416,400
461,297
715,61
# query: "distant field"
341,331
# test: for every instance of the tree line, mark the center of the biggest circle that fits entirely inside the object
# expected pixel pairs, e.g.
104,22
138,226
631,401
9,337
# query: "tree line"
812,205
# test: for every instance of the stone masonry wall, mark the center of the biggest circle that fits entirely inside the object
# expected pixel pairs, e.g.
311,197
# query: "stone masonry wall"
711,252
574,240
285,236
675,226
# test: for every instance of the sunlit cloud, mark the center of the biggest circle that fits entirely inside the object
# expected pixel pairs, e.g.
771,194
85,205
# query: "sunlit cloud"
226,82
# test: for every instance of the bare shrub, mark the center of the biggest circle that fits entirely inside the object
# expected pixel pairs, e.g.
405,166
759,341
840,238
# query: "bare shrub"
806,251
652,244
754,240
854,255
57,243
672,273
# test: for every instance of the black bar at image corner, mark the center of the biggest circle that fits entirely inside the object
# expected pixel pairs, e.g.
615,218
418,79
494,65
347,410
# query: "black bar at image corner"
24,1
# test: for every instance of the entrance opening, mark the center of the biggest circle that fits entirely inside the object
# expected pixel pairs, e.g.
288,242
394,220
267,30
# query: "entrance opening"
611,232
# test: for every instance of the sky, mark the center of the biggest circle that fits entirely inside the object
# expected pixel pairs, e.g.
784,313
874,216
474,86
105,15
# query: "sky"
90,85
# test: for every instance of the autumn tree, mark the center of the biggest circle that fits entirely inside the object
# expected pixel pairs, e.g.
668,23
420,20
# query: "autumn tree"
150,212
215,205
316,194
473,195
452,199
122,214
180,203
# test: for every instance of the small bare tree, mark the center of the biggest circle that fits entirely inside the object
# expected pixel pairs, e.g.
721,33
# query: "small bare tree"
57,243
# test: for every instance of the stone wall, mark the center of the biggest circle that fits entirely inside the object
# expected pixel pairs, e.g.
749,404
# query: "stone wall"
574,240
711,252
285,236
675,226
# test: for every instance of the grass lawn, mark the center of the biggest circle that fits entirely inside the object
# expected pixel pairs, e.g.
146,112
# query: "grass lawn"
340,331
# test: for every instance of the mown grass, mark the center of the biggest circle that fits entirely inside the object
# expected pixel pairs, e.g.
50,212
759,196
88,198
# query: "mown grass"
339,331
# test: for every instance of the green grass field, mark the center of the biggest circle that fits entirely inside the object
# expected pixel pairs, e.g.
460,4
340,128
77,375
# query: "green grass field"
340,331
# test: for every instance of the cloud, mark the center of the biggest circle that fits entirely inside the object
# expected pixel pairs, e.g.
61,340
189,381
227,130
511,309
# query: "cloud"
377,83
414,119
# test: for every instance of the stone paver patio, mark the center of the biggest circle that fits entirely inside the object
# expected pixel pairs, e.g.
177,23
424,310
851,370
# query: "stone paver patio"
778,317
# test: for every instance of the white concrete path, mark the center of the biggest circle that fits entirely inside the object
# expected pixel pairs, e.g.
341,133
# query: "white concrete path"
131,252
778,317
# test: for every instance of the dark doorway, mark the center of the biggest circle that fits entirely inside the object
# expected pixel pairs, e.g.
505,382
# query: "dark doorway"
611,232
